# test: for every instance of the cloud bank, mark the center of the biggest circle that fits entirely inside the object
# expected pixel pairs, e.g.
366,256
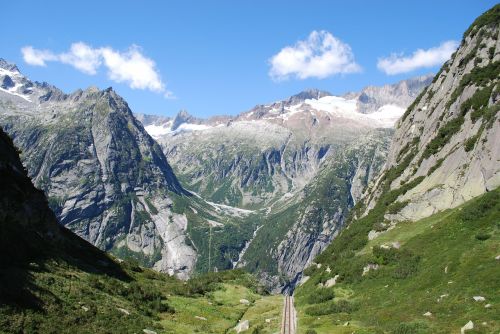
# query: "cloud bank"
399,63
130,67
319,56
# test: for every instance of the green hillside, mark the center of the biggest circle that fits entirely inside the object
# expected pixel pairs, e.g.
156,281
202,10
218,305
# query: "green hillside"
442,263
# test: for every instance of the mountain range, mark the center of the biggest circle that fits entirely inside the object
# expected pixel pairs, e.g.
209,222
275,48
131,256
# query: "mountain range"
110,182
378,209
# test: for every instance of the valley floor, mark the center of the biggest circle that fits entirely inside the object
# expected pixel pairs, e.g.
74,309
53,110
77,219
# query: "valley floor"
219,311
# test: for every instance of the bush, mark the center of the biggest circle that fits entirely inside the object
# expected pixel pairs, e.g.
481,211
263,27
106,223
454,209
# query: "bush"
311,331
411,328
436,166
489,18
470,143
258,330
342,306
386,256
472,213
483,236
443,136
380,227
406,267
477,101
414,104
396,207
480,76
320,295
491,52
405,262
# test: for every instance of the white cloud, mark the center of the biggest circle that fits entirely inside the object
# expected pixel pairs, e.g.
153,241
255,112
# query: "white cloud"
398,63
82,57
37,57
130,67
319,56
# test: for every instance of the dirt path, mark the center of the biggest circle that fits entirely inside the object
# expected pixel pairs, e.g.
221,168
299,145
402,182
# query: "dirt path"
289,319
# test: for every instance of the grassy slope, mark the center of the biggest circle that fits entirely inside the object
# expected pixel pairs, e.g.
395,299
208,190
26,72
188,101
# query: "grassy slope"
451,253
67,299
222,309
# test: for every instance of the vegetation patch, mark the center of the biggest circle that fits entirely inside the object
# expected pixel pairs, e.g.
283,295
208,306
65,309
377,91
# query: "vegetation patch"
341,306
479,76
489,18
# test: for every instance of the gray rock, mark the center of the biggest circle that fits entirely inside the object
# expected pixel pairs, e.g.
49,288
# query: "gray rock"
454,173
466,327
242,326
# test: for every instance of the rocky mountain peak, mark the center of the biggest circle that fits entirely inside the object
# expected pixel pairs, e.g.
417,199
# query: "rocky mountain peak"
182,117
9,66
400,94
308,94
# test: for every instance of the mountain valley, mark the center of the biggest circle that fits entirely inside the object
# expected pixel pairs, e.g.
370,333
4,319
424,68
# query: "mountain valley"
375,211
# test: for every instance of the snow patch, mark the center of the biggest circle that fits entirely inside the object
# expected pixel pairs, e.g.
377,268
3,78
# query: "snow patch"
334,105
156,131
4,71
192,127
386,116
12,91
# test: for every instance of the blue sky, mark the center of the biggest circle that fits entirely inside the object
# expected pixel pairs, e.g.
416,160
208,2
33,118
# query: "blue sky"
224,57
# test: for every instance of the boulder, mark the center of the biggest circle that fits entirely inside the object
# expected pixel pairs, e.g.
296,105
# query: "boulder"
467,326
331,282
122,310
242,326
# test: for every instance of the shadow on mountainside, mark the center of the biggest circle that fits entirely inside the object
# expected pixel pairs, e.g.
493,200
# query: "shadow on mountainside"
32,241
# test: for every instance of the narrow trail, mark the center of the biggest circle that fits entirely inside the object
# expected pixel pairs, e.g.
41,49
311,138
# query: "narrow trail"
289,319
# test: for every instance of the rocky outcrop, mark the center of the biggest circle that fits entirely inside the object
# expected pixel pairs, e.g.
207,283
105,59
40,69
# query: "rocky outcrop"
447,143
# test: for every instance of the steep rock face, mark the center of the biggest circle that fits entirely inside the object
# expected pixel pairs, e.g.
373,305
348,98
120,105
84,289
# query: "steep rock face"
29,230
299,229
106,178
448,141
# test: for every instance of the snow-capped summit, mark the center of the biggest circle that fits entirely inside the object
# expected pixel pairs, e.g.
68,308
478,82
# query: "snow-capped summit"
373,107
6,66
13,82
